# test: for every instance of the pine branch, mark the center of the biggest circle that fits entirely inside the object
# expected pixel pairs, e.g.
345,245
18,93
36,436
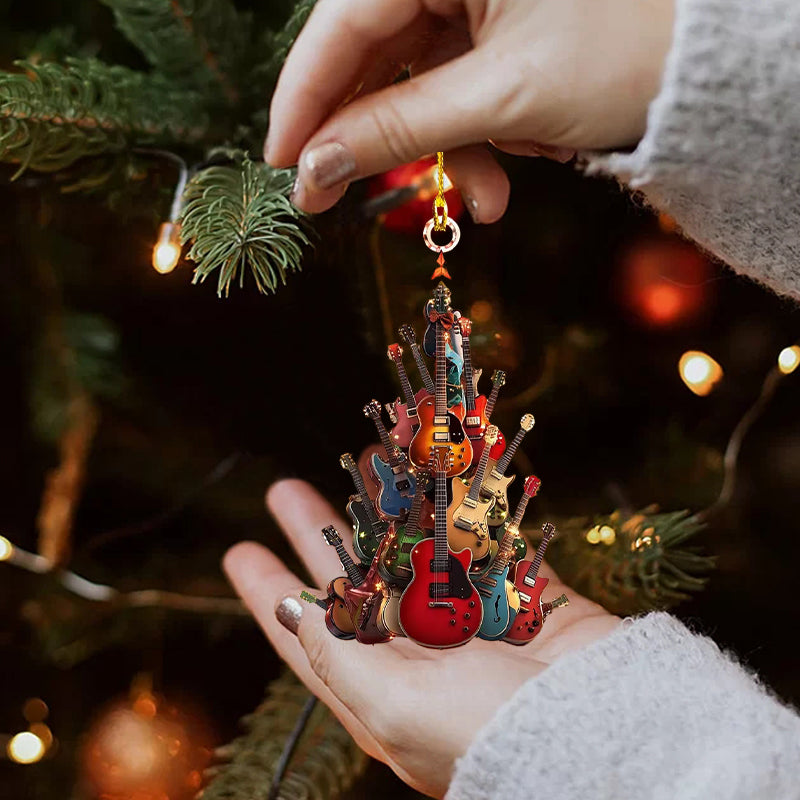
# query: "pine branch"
52,115
325,763
238,217
642,566
278,43
196,44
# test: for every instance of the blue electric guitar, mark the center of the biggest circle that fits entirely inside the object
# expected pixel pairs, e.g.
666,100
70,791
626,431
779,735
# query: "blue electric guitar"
499,596
397,483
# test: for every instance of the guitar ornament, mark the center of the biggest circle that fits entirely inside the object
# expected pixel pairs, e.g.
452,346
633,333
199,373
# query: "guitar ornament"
337,617
396,565
466,521
528,622
397,483
365,603
405,414
438,425
496,483
368,527
440,607
410,338
499,596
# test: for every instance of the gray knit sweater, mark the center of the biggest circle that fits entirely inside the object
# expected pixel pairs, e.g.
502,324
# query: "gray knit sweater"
654,710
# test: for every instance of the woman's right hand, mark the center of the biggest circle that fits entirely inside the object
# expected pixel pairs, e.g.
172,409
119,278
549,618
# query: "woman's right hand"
535,77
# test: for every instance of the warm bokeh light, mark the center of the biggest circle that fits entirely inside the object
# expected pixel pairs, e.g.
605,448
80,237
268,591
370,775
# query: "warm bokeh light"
481,311
35,710
607,535
789,359
593,535
26,748
6,549
699,371
167,250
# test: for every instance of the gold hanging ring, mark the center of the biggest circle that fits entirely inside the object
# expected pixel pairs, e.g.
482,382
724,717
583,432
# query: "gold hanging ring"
455,232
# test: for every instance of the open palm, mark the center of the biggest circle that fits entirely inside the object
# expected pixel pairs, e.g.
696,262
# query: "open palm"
413,708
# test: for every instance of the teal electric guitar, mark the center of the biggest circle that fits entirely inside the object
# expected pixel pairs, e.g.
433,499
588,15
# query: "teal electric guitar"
499,596
368,527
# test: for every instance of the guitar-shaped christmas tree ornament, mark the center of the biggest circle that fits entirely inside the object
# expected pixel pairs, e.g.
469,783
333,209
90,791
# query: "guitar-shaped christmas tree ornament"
496,483
405,413
439,425
467,524
440,607
530,585
397,483
368,527
499,596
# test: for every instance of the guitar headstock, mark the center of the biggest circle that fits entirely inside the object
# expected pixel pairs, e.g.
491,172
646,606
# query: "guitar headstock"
331,536
466,326
490,436
373,410
526,423
395,353
308,597
441,458
559,601
424,477
498,378
408,333
346,461
441,298
531,486
548,531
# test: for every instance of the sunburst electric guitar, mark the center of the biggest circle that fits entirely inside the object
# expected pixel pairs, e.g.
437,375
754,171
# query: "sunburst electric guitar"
368,527
440,607
438,425
495,484
397,483
337,617
467,515
499,596
530,585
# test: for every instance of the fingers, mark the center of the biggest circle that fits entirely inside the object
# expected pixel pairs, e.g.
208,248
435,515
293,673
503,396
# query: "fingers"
524,148
262,581
302,512
481,180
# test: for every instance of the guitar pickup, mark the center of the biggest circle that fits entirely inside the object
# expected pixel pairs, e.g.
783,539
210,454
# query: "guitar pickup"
524,597
402,486
441,420
472,422
441,436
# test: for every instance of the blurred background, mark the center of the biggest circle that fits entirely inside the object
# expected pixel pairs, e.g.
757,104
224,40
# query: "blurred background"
184,407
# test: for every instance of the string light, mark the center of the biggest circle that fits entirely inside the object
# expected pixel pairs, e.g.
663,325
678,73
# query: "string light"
26,748
6,549
789,359
167,250
607,535
593,535
699,372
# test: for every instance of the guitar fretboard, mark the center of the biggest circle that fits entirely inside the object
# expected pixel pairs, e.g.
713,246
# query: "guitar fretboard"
405,383
477,478
469,386
441,371
412,523
490,403
441,554
506,547
353,572
502,464
422,368
388,445
358,482
533,569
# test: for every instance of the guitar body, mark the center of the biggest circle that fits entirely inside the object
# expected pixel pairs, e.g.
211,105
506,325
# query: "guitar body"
467,526
396,488
365,538
498,489
406,426
365,606
337,617
445,430
501,603
475,426
456,616
390,611
396,564
528,622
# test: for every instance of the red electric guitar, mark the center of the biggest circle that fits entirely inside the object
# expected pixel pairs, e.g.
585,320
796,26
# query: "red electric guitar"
528,622
440,607
405,413
365,602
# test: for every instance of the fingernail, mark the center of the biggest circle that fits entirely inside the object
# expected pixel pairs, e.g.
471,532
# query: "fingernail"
472,207
295,193
329,164
289,612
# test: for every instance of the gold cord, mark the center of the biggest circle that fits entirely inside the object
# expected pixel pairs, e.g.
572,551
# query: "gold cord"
440,220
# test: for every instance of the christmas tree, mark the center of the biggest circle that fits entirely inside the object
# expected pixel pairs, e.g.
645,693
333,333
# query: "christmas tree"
144,417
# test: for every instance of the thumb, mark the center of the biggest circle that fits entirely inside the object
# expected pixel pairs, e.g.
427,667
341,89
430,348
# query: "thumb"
459,103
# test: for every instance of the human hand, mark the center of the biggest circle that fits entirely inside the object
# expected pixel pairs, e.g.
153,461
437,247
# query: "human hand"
534,77
413,708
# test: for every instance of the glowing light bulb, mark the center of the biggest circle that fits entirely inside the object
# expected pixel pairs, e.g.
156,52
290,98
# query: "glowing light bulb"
167,250
607,535
699,372
789,359
26,748
593,535
6,549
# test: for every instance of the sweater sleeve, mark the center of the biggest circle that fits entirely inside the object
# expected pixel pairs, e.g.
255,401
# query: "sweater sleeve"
651,711
721,153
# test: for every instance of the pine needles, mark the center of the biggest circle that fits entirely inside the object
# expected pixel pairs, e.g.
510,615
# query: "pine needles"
239,216
325,763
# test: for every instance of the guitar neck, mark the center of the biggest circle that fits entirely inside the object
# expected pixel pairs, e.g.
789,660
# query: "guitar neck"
422,368
469,386
502,464
492,400
441,371
533,569
388,444
520,512
504,551
353,572
358,482
440,549
477,479
408,392
412,523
